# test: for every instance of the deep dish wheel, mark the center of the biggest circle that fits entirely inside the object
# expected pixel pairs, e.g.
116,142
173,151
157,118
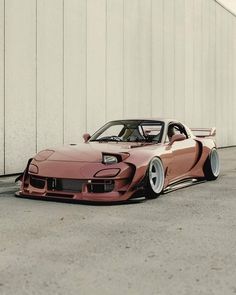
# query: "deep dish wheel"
155,178
212,165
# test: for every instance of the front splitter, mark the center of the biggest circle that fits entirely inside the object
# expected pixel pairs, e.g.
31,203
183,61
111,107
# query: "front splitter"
79,201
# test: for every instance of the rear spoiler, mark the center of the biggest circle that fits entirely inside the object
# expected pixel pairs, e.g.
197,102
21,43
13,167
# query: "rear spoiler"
204,132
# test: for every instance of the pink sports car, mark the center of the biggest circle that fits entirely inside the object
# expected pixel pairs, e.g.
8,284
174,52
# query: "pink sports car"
124,159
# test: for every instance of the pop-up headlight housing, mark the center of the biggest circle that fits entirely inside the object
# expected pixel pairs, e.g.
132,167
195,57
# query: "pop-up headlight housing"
109,159
114,158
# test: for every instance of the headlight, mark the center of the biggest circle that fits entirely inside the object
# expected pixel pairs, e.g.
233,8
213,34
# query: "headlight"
109,159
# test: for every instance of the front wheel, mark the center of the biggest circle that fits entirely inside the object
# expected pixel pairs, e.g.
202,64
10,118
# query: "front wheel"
155,178
212,165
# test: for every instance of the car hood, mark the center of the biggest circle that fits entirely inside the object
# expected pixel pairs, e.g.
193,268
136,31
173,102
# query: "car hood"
87,152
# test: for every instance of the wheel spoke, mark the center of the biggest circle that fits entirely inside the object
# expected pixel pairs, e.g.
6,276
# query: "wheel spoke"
156,176
153,175
215,163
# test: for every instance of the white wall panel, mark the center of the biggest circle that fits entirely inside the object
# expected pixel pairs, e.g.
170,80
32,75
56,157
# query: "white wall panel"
219,77
96,64
157,58
189,62
209,63
114,60
206,111
131,57
227,78
20,83
231,81
75,111
137,58
221,74
197,65
71,65
1,87
49,73
169,59
179,71
145,58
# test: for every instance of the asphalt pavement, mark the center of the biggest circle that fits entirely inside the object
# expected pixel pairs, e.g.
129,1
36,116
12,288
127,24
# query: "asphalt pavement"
182,243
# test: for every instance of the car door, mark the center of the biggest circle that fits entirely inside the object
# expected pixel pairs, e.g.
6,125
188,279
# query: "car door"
184,154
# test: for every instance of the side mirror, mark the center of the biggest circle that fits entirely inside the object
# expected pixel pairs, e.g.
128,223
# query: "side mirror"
177,137
86,137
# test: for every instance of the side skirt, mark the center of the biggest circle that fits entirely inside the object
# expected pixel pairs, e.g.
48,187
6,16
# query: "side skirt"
182,184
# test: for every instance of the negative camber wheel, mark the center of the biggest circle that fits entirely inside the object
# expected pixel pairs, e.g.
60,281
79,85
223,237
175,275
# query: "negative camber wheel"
212,165
155,179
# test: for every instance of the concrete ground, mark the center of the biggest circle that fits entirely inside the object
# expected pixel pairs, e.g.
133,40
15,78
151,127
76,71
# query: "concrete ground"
181,243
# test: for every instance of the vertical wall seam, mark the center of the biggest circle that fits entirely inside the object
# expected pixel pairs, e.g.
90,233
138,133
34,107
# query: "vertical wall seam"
106,57
63,71
215,66
202,70
174,57
4,86
193,58
151,59
163,56
194,62
123,59
86,66
36,75
184,61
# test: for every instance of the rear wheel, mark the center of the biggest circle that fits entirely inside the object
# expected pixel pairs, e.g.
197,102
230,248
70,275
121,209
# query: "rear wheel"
212,165
155,179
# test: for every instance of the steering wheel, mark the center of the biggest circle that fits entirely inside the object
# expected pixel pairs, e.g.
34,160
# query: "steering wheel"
112,138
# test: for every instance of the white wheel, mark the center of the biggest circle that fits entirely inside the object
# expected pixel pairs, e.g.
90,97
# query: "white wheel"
212,165
156,178
215,163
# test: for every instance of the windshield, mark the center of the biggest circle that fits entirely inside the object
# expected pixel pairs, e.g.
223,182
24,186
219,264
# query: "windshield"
130,131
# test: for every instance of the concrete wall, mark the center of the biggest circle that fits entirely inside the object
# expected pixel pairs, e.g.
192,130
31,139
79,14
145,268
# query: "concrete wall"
68,66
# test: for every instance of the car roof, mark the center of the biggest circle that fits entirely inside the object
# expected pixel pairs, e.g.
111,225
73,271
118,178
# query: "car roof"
165,120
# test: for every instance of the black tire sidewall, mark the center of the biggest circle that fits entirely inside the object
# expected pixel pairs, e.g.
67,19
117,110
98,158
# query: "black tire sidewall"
209,175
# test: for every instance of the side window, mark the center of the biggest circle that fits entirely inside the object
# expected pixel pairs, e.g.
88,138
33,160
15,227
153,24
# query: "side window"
183,131
175,129
152,132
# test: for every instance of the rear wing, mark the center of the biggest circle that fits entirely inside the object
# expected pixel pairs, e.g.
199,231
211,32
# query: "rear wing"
204,132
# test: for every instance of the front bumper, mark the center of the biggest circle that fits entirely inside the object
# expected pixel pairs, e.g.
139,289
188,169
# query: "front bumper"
105,190
79,183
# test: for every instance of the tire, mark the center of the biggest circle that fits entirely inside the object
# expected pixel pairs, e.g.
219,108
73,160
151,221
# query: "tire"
212,165
155,178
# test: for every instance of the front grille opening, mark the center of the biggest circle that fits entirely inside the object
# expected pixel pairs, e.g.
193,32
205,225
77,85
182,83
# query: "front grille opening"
101,186
73,185
37,182
65,185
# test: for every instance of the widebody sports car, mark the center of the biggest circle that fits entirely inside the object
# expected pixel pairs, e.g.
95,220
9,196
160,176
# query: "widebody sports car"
122,160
